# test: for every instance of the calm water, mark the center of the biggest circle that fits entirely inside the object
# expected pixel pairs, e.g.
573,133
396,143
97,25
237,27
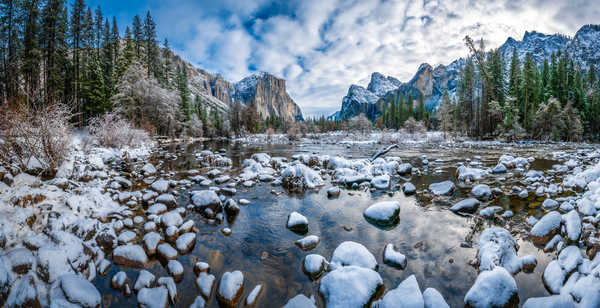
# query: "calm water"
428,234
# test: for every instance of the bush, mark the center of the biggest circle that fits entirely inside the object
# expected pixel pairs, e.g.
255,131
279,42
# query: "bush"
113,131
35,139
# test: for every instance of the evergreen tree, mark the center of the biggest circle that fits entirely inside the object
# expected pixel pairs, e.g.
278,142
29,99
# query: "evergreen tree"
420,115
527,90
54,47
514,80
31,53
151,57
77,18
138,35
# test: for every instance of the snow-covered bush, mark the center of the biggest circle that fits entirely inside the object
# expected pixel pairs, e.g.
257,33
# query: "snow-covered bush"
112,130
35,139
360,123
194,127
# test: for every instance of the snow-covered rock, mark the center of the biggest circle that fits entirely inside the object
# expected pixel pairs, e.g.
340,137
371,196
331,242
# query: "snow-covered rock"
493,288
469,205
350,286
393,258
300,301
433,299
498,248
481,192
71,289
383,213
308,242
351,253
545,228
406,295
300,177
297,222
314,265
442,188
130,255
230,289
205,198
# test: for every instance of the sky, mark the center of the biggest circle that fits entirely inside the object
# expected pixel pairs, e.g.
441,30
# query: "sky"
321,47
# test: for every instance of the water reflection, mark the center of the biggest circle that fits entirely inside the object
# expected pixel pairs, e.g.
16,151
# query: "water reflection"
263,248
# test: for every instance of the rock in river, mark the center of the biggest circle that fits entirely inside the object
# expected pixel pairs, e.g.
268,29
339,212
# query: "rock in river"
130,255
495,288
352,253
383,213
308,242
407,294
545,228
408,188
71,289
297,223
393,258
350,286
230,289
444,188
469,205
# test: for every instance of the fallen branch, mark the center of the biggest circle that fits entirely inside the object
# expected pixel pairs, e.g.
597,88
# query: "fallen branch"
384,151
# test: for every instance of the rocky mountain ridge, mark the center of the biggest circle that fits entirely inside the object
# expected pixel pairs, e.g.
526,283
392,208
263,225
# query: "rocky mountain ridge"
584,47
268,92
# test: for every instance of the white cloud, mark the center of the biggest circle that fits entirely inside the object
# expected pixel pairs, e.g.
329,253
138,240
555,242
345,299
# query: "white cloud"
323,46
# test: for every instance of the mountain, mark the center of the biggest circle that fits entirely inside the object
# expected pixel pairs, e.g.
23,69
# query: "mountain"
584,47
270,96
268,92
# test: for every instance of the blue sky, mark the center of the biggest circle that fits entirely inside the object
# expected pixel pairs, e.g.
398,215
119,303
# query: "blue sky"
321,47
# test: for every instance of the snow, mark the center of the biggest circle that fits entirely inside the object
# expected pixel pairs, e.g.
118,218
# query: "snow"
498,248
153,297
406,295
166,251
381,182
148,169
469,205
169,283
204,198
185,241
433,299
199,302
79,291
482,192
570,258
308,242
500,168
349,286
408,188
172,218
131,255
300,301
175,268
554,277
300,176
160,186
545,228
464,174
231,285
297,222
253,296
572,224
24,293
151,241
493,288
383,213
393,257
549,204
314,265
126,236
119,280
442,188
145,279
353,254
553,301
205,283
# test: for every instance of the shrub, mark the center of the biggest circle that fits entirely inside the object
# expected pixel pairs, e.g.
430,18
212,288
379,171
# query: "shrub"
35,139
112,130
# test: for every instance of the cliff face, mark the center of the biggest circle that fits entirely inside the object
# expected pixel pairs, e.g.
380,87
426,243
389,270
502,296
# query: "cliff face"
270,96
266,90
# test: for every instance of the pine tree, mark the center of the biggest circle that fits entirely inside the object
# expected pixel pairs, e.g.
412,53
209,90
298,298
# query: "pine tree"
514,80
420,115
77,18
31,54
527,89
53,44
151,56
98,28
168,70
138,35
10,64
